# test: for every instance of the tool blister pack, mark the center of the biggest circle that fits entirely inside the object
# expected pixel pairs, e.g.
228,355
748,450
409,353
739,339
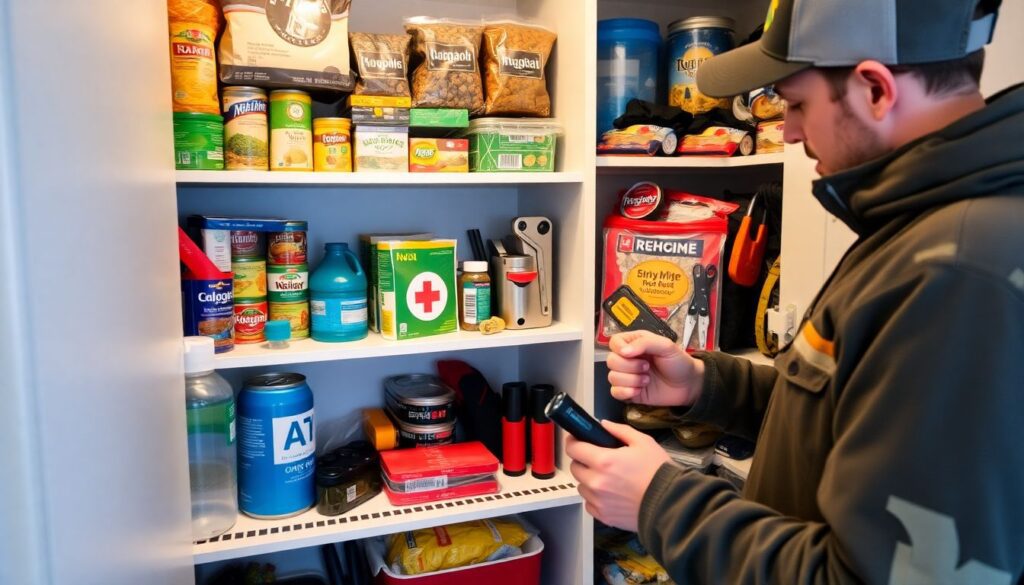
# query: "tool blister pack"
672,261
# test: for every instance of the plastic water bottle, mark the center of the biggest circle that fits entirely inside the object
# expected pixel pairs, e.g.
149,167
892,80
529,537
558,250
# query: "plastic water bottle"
337,292
210,411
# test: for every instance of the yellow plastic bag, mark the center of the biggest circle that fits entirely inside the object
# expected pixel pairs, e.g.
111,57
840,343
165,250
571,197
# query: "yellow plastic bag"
193,28
456,545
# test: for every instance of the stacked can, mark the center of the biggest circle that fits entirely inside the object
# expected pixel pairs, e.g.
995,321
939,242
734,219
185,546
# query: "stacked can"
249,264
288,277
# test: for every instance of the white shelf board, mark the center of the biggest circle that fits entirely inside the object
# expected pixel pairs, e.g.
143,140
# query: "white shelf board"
307,350
282,178
250,536
601,356
687,162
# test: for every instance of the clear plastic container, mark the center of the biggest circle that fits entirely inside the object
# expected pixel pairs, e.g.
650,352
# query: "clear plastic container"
512,144
628,52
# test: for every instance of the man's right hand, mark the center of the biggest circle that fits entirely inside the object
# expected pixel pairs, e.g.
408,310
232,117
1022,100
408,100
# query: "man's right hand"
649,369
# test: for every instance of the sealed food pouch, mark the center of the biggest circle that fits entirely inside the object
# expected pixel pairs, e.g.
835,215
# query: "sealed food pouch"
193,28
447,74
674,265
515,55
455,545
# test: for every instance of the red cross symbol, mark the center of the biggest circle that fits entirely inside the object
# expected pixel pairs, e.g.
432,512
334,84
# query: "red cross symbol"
427,296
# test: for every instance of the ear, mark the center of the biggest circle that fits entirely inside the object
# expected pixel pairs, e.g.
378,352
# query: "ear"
876,83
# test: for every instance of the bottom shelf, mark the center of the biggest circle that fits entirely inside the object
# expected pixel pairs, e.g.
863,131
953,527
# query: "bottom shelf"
250,536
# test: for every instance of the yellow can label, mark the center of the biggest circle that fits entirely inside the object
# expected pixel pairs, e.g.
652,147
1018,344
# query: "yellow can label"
296,313
659,283
332,151
250,279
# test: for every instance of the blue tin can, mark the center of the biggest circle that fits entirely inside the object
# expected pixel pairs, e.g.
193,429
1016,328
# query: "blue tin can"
692,41
276,446
208,309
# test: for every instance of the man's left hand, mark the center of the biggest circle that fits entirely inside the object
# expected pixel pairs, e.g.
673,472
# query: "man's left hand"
613,481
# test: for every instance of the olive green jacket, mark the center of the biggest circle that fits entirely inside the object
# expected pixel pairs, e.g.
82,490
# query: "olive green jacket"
890,433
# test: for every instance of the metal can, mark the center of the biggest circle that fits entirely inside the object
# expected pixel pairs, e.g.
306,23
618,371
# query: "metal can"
207,308
296,313
198,141
288,283
250,278
250,321
248,244
291,133
419,399
276,446
691,42
426,435
332,145
245,128
289,246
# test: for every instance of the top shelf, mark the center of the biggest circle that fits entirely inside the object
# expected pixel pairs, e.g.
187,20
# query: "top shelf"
688,162
307,178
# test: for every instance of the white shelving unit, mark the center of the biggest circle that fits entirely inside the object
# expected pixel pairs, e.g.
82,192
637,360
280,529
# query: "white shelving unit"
605,163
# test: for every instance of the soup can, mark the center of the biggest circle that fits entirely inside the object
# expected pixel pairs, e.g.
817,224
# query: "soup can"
332,145
291,130
691,42
245,129
419,399
288,283
276,446
198,141
250,278
207,310
288,246
248,244
250,321
295,313
426,435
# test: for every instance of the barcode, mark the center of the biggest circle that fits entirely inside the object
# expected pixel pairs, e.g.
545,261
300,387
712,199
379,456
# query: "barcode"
469,305
184,158
426,484
510,161
519,138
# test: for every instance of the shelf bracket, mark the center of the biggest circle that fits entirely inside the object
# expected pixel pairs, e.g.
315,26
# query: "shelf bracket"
782,322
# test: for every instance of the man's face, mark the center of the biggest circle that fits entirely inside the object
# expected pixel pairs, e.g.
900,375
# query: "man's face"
832,132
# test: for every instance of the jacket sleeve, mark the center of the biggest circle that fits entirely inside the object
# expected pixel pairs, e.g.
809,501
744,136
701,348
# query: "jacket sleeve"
734,395
924,480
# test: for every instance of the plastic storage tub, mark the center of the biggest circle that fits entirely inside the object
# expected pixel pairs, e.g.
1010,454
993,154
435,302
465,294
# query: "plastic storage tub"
512,144
521,570
628,52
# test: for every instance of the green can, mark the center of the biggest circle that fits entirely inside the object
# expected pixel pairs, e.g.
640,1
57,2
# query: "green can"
288,283
291,130
198,141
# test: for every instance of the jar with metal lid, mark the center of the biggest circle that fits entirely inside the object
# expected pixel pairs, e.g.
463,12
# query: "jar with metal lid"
419,399
474,295
691,42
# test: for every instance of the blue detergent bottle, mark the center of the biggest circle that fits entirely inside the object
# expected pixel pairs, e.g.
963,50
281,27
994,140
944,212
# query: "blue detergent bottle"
338,296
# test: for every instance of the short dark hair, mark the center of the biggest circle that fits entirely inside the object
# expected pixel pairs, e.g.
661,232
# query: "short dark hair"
940,78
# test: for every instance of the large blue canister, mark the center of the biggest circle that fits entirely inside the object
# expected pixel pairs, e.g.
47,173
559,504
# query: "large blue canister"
276,446
338,296
691,42
628,50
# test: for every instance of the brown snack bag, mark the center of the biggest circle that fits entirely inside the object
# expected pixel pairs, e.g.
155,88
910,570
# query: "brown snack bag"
382,62
447,74
192,26
515,55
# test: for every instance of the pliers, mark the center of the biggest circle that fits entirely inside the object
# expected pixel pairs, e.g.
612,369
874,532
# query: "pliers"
698,315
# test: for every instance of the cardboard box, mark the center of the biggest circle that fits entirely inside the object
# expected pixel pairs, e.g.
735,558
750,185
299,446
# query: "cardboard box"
438,118
377,101
368,258
417,288
439,155
380,116
381,149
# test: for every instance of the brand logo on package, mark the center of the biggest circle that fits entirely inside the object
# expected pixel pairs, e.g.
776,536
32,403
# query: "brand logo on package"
521,64
382,65
630,244
293,438
215,293
256,106
427,296
303,23
451,57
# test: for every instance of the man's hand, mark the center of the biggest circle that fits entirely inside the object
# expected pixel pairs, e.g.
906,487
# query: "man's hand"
649,369
613,481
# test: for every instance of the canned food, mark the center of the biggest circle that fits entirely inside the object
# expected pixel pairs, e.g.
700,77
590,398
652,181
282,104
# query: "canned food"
250,321
691,42
426,435
296,313
248,244
276,446
250,278
289,246
245,128
207,310
288,283
332,145
419,399
198,141
291,134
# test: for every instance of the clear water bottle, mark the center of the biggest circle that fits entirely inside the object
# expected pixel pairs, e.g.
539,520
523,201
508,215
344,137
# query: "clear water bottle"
210,411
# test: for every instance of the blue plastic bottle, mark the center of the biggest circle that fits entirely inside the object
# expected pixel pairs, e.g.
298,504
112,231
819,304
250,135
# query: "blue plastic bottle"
338,296
628,50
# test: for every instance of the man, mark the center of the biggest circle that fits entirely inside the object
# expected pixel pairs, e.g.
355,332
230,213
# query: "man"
890,430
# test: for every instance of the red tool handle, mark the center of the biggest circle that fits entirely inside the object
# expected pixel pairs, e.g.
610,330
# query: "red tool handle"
747,254
542,445
198,263
513,446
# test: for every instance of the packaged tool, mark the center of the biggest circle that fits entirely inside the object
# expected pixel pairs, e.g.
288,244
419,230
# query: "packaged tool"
429,474
673,265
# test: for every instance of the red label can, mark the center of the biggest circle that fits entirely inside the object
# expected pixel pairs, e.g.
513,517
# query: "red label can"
250,322
287,247
246,244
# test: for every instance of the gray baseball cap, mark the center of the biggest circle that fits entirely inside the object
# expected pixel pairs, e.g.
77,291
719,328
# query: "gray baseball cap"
799,34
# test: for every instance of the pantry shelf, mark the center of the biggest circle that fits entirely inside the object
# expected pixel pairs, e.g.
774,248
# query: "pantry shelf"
601,356
307,350
688,162
250,536
270,178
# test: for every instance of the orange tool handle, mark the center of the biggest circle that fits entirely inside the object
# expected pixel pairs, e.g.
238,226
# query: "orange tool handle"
747,254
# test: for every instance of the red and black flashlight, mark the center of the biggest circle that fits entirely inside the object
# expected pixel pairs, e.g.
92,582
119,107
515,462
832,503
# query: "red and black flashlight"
513,428
542,432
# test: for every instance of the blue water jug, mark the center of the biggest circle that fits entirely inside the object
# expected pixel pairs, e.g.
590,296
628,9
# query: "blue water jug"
337,298
628,50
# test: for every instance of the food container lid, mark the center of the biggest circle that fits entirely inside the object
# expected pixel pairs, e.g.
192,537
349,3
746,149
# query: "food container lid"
426,429
701,22
621,29
332,122
197,117
474,266
296,94
296,226
275,381
528,126
244,89
419,390
346,464
278,330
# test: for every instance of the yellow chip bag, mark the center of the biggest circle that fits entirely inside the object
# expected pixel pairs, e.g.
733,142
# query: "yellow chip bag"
193,28
456,545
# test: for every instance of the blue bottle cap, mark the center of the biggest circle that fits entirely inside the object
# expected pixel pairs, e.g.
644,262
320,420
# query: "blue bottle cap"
278,330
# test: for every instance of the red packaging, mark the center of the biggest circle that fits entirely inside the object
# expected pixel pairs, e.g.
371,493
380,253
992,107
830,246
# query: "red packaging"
519,570
429,474
659,260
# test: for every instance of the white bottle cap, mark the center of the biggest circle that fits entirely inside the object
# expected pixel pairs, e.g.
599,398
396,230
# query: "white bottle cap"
198,354
474,266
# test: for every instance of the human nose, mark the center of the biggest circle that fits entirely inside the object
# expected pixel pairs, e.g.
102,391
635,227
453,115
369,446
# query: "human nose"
792,133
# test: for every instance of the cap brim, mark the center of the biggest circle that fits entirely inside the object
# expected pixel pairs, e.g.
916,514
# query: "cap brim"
741,70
